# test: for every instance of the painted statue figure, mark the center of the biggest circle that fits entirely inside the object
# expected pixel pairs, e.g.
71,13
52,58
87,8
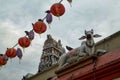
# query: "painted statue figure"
87,48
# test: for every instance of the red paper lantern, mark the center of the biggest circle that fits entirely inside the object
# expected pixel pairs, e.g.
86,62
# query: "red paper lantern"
39,27
11,52
57,9
2,61
24,42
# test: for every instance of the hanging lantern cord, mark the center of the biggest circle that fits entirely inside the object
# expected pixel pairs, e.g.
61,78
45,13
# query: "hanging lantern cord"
44,18
60,1
15,45
95,59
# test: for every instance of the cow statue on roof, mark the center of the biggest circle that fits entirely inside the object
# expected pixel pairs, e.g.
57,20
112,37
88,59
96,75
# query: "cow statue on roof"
87,48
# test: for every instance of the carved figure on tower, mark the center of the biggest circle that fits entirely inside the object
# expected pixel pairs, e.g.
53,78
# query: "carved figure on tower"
52,50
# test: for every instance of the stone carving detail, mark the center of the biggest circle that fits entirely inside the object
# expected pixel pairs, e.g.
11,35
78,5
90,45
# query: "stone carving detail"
52,50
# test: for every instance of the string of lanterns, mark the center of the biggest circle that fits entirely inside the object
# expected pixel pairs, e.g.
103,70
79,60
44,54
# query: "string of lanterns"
39,27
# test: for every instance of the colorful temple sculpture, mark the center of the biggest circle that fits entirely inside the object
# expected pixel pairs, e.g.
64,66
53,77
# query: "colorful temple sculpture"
52,50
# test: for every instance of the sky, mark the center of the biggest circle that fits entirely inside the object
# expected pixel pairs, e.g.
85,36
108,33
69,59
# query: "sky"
103,16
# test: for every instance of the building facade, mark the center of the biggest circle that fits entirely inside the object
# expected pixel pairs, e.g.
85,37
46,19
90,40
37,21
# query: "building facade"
102,67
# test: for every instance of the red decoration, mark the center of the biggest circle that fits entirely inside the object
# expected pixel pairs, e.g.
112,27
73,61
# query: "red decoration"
2,61
11,52
57,9
24,42
39,27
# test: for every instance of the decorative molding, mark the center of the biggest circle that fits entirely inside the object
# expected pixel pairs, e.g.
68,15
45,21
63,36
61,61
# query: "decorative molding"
77,65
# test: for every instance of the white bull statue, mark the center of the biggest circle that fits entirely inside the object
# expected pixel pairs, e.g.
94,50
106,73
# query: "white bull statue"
87,48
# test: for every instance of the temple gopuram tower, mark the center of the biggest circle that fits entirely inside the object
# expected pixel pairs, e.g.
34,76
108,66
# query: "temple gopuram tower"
52,50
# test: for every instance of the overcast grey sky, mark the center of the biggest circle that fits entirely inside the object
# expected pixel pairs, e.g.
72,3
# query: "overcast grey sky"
16,16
